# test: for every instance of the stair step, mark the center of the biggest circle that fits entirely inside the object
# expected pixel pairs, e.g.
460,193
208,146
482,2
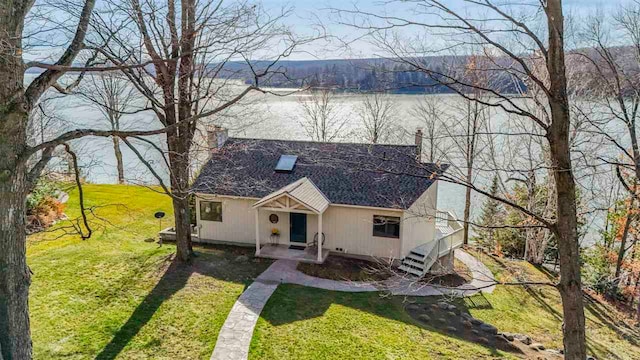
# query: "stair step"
415,264
415,257
410,270
416,252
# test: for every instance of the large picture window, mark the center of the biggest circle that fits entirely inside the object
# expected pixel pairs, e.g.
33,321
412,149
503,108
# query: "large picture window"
386,226
210,210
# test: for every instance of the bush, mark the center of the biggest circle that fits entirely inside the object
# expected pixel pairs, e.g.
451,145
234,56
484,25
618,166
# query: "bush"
43,207
596,272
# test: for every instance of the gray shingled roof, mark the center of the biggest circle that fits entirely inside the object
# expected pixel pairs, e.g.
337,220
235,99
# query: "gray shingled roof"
385,176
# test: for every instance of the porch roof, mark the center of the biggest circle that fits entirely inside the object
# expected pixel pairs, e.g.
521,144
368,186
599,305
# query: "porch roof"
303,191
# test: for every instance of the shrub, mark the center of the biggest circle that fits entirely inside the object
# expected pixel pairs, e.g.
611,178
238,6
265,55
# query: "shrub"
43,207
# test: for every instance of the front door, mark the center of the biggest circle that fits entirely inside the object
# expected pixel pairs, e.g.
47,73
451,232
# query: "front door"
298,227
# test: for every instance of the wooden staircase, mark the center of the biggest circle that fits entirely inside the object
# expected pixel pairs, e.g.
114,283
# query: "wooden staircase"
448,237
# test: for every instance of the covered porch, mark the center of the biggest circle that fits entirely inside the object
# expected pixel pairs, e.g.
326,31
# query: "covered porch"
308,255
289,223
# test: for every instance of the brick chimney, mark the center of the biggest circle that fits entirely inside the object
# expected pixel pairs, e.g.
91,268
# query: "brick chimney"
419,145
216,137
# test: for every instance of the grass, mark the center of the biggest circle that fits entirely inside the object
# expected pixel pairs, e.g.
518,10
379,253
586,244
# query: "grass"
117,296
307,323
536,311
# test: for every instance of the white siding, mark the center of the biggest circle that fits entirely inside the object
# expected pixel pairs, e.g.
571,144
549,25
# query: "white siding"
418,222
348,228
351,229
237,221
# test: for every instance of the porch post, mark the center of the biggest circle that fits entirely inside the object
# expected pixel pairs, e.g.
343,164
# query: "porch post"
257,232
320,237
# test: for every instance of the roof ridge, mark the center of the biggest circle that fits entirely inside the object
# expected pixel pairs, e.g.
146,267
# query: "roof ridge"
318,142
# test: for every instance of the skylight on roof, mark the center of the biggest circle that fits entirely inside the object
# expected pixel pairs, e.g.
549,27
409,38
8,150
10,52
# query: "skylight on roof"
286,163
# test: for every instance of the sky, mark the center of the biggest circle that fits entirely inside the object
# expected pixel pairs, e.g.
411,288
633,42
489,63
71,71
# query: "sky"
307,14
308,17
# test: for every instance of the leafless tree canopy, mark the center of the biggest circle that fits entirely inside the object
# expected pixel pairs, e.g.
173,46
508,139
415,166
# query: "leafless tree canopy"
322,119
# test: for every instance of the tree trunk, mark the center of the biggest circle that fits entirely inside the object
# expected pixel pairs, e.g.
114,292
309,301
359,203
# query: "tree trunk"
623,243
119,163
570,285
179,163
566,226
467,209
15,276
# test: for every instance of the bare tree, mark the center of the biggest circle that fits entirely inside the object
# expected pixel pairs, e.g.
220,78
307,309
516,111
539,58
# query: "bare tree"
377,113
15,176
112,95
187,47
605,72
434,120
321,117
511,42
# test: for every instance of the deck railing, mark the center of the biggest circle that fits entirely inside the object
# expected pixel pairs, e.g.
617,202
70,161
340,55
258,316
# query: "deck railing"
452,239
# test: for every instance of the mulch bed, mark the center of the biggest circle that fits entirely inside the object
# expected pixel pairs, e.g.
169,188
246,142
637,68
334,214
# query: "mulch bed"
460,276
342,268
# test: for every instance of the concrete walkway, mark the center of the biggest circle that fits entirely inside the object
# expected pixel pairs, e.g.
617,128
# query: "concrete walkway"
236,333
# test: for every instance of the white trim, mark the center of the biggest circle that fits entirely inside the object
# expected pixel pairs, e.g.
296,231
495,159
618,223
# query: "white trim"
309,212
204,196
368,207
331,204
287,208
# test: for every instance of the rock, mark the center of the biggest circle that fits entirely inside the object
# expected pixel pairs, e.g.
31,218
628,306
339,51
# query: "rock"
467,324
537,346
502,338
475,321
451,313
435,307
475,332
413,307
424,317
452,307
452,329
242,258
442,320
590,358
443,305
466,316
483,341
489,328
554,351
507,336
523,338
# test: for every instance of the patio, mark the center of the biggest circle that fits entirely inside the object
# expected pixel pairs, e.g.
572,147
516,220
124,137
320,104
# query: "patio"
309,255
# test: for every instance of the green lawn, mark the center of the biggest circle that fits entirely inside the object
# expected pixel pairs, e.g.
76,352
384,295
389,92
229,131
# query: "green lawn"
536,311
304,323
117,296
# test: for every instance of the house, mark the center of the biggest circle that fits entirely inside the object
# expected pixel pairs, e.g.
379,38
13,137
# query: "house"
305,200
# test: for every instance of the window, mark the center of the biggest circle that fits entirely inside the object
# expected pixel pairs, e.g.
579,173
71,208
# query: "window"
211,210
386,226
286,163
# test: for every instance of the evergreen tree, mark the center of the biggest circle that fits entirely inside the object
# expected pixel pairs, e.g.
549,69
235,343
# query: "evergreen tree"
491,212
